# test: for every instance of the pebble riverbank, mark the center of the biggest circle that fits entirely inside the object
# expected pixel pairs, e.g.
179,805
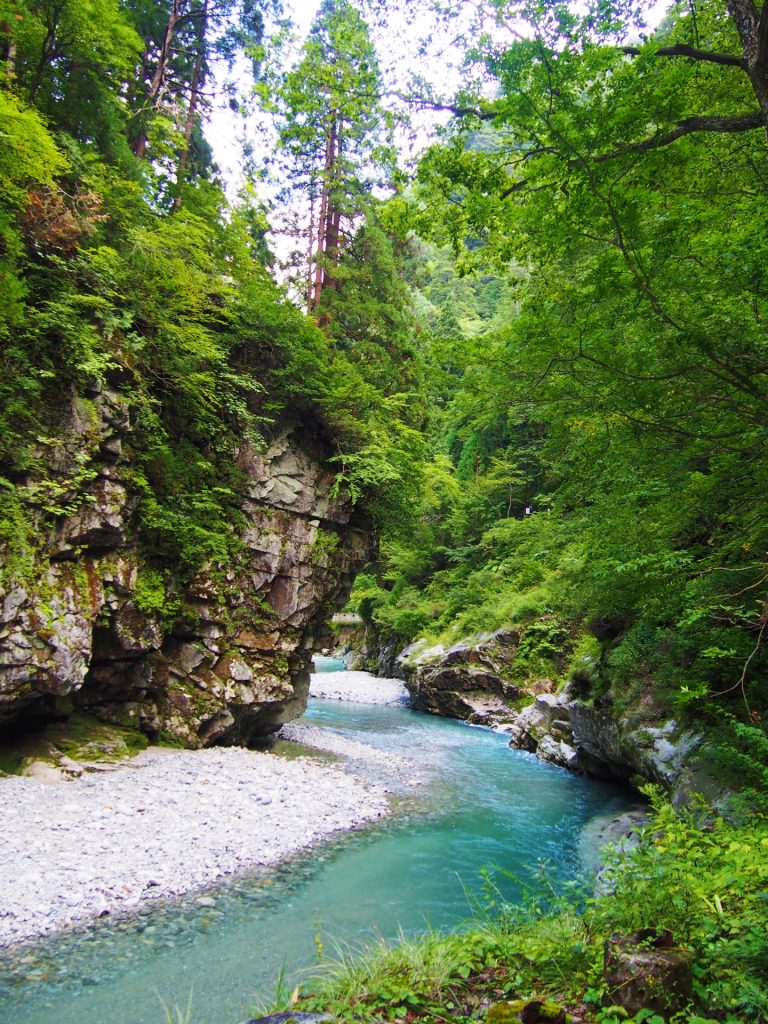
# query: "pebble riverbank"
164,823
168,822
358,688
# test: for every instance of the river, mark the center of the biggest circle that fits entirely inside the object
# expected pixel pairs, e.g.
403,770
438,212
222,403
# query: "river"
485,810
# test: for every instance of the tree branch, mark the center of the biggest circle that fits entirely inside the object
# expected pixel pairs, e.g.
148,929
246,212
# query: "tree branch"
424,104
689,126
682,50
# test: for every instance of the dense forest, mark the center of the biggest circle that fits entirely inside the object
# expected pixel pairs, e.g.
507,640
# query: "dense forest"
595,425
537,361
124,264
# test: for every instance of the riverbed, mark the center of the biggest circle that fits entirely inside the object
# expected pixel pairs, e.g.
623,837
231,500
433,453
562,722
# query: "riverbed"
482,821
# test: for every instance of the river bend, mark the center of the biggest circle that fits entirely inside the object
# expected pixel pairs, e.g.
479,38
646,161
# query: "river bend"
483,808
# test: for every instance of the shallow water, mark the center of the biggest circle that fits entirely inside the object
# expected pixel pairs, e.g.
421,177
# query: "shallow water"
484,807
323,663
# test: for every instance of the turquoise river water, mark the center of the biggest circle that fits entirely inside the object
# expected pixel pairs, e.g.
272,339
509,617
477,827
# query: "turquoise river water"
486,807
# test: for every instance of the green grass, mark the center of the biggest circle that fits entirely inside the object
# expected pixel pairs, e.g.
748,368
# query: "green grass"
704,878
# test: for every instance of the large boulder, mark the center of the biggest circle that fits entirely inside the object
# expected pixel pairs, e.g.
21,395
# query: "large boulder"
592,740
646,971
468,680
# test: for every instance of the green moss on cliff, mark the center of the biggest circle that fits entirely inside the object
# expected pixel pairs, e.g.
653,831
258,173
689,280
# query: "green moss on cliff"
80,738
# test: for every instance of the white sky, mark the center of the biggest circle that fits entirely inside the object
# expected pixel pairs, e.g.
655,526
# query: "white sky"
302,12
225,127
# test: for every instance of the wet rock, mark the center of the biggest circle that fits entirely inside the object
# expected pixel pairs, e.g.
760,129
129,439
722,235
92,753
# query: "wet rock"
605,838
593,740
470,681
534,730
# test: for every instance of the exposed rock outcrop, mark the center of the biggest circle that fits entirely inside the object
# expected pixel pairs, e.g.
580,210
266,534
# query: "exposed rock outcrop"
364,647
595,741
76,630
465,681
479,681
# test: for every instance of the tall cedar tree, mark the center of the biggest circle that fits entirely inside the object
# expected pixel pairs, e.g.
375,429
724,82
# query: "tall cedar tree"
183,39
335,135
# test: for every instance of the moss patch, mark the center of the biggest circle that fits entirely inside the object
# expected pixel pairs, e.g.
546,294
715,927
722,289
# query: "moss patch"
79,738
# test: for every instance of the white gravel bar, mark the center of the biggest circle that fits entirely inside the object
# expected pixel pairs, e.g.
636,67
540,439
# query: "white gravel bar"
358,687
407,772
166,822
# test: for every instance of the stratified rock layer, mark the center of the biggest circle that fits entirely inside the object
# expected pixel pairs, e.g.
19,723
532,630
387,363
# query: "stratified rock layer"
234,664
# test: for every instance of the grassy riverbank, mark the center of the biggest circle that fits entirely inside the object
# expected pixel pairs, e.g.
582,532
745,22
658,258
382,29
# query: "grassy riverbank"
704,879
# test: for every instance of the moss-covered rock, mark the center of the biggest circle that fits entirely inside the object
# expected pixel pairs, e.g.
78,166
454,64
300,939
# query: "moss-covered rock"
526,1011
64,749
469,680
647,972
221,657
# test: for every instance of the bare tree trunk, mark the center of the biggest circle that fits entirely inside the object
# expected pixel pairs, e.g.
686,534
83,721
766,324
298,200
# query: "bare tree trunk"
157,85
333,231
47,51
198,78
329,167
311,237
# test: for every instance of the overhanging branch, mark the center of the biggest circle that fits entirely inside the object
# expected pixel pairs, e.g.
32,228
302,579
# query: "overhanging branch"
689,126
421,103
682,50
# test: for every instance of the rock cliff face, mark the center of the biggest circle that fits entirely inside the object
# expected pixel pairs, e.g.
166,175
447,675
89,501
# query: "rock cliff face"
76,630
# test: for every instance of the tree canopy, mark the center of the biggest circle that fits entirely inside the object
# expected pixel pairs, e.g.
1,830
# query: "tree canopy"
601,461
336,139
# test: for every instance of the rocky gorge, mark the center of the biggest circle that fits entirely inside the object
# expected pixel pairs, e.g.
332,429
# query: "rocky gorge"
479,680
87,624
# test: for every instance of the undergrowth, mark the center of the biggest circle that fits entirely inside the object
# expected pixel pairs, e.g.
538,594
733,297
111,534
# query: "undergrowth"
703,877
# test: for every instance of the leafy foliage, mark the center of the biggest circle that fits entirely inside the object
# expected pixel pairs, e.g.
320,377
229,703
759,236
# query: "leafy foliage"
111,283
702,878
605,432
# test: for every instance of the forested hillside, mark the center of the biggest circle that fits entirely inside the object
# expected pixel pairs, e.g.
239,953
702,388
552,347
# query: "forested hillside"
598,433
